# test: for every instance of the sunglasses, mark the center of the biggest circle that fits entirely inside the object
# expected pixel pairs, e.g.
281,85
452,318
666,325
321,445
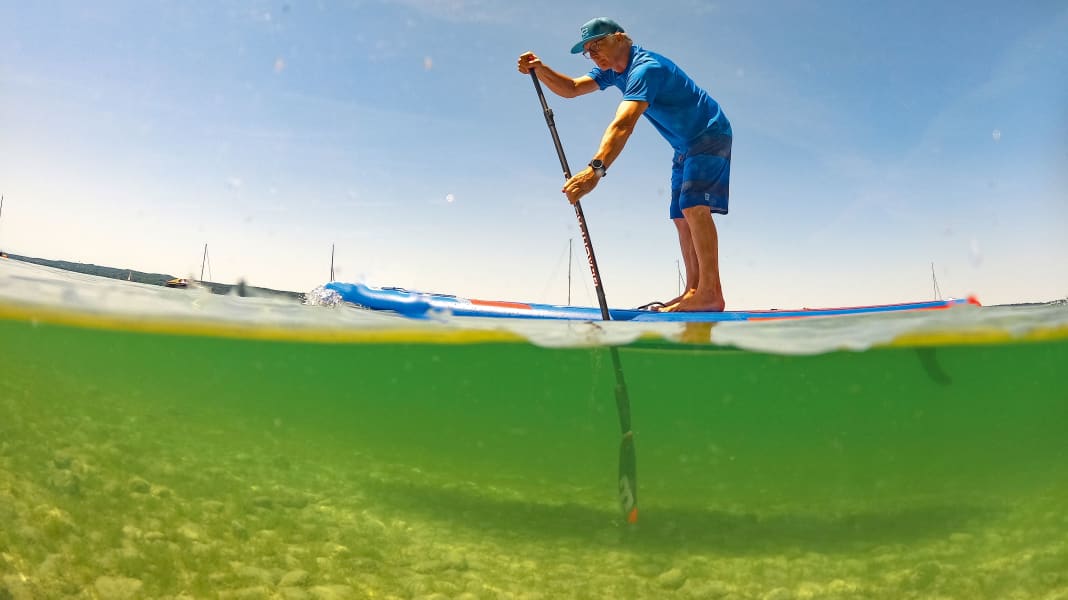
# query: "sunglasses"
594,47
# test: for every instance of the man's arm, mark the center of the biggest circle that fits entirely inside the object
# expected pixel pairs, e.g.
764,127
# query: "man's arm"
560,84
615,137
617,134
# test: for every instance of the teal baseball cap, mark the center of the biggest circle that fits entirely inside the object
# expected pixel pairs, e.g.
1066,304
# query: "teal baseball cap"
596,29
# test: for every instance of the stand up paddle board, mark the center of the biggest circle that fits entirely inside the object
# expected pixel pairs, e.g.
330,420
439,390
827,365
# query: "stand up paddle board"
422,305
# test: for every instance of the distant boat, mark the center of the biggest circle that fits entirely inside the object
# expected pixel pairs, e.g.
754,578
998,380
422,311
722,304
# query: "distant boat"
182,282
177,282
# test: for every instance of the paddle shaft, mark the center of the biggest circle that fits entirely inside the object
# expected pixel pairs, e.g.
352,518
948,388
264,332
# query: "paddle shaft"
550,120
628,485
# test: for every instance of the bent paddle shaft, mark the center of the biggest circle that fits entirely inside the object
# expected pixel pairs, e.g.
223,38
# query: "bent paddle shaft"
628,469
628,462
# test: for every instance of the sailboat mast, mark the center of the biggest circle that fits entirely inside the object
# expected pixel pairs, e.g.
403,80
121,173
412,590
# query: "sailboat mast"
937,292
331,262
570,242
203,262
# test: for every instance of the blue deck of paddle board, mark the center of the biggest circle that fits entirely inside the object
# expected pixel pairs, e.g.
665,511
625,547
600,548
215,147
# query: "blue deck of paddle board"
420,305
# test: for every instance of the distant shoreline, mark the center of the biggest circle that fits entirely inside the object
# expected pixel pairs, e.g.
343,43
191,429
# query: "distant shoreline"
160,279
241,288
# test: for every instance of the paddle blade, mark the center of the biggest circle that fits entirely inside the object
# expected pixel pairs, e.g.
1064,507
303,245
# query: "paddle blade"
628,478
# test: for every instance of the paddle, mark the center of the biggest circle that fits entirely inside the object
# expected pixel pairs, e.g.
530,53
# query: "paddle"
628,470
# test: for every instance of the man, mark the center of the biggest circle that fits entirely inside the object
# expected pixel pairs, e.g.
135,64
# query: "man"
688,118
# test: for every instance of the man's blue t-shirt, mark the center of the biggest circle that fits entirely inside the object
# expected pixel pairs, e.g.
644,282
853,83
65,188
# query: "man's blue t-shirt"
680,111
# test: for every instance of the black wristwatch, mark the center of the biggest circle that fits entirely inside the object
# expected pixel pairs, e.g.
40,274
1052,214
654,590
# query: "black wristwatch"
598,167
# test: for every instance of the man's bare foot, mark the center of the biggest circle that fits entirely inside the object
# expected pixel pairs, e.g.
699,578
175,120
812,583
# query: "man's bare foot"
697,303
670,304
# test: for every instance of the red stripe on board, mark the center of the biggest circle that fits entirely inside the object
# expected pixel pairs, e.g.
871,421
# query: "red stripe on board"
971,300
500,304
947,304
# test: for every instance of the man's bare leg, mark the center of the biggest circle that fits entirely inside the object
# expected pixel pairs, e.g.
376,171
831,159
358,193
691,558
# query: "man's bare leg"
708,295
689,260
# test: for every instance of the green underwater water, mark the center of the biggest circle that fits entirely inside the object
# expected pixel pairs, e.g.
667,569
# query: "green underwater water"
156,465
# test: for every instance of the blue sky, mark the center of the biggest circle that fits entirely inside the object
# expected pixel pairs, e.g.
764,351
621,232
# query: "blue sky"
871,139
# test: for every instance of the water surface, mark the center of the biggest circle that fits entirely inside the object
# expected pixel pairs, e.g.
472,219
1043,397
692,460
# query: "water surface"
172,444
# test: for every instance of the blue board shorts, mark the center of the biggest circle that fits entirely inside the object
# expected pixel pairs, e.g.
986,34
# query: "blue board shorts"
701,176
